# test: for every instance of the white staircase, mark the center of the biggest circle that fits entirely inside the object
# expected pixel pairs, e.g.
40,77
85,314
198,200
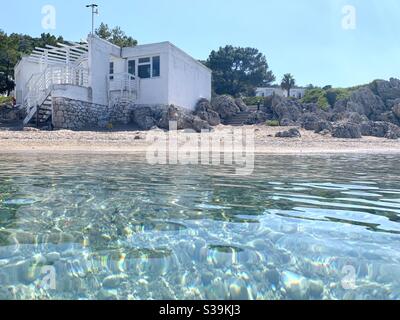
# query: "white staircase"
39,89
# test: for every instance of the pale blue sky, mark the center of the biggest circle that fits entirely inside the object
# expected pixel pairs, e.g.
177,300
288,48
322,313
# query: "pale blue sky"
304,37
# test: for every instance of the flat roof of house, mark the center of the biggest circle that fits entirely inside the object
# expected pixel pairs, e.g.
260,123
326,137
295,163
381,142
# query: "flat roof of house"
168,43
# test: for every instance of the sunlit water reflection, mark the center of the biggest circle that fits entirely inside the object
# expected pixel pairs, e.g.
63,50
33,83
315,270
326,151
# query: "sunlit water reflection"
114,227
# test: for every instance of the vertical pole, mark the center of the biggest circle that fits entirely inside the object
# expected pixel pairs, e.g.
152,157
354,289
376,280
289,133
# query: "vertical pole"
92,20
37,117
94,11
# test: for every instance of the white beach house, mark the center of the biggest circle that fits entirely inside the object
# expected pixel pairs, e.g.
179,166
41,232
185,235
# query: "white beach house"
267,92
100,74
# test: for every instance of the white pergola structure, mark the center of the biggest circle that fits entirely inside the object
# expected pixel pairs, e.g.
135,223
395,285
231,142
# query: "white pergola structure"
72,53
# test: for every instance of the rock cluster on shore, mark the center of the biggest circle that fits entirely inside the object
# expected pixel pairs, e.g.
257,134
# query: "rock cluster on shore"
371,110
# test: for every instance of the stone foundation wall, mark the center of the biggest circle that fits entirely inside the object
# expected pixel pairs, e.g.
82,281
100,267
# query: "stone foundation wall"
79,115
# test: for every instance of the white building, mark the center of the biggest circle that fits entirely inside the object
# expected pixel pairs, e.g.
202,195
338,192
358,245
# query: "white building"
101,73
267,92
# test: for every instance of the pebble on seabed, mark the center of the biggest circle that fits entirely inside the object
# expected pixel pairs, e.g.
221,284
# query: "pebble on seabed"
296,286
114,281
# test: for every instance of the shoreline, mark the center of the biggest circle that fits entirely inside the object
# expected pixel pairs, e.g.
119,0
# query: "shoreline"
134,142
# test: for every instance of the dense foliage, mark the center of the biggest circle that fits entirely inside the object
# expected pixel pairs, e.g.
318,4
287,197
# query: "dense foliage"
238,71
115,36
326,97
12,47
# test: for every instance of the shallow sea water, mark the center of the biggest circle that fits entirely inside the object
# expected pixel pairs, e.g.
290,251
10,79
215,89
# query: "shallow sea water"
115,227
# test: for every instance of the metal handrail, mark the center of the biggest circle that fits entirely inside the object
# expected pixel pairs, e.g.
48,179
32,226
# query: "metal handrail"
40,85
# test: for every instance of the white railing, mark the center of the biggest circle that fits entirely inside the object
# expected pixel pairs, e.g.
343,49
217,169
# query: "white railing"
40,85
123,85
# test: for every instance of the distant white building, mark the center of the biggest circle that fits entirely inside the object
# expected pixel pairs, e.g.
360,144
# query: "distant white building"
103,74
267,92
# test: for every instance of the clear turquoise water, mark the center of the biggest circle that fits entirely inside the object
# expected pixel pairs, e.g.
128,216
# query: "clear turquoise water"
113,227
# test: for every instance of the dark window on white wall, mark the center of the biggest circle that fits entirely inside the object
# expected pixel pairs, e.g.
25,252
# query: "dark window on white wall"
111,70
132,67
149,67
144,71
156,67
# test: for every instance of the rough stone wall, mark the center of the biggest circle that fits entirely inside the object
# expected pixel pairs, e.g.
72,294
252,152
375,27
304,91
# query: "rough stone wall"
79,115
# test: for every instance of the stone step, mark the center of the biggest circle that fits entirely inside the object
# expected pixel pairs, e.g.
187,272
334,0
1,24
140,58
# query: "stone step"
238,119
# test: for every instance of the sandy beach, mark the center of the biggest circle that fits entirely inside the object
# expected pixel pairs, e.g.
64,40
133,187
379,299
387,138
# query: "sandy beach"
65,141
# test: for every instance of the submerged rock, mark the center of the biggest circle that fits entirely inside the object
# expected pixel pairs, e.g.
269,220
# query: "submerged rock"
296,286
114,281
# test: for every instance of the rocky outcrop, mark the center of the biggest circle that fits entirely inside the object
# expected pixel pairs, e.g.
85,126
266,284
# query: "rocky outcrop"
183,119
9,113
396,110
240,104
144,117
225,106
205,112
291,133
387,90
347,131
287,111
380,129
365,102
256,118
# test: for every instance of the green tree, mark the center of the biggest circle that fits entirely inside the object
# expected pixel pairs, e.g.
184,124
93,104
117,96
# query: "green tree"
238,70
6,84
9,56
115,36
12,47
288,83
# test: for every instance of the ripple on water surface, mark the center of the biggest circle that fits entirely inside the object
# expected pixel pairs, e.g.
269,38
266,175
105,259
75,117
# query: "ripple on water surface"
114,227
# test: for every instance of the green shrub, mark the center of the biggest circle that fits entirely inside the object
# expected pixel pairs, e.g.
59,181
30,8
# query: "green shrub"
326,97
4,100
252,101
272,123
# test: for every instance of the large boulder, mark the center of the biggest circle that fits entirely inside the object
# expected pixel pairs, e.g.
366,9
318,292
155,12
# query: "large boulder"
183,119
365,102
347,130
389,116
380,129
291,133
346,116
386,90
396,110
256,118
288,109
205,112
10,113
310,121
240,104
225,106
144,117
